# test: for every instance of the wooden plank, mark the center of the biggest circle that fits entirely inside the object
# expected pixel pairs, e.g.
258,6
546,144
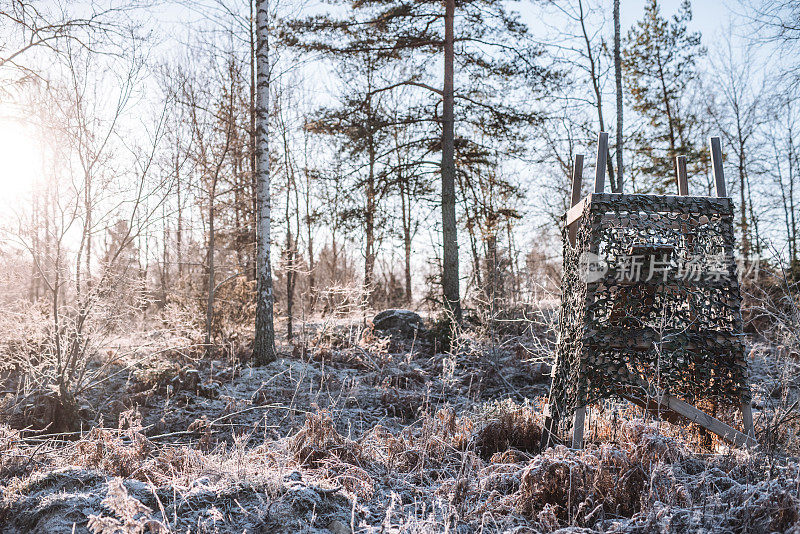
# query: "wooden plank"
602,158
577,182
747,419
716,426
683,181
549,429
577,427
716,166
649,404
669,407
577,179
576,211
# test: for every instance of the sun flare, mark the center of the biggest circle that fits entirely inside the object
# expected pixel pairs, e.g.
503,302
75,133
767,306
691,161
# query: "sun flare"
20,159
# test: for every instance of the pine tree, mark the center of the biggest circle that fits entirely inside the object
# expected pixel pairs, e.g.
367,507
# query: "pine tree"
473,96
618,92
361,128
660,64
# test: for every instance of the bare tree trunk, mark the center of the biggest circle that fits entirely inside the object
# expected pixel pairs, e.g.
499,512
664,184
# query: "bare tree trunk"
210,265
291,273
252,270
405,198
784,199
239,200
164,261
476,259
513,263
791,150
33,295
618,84
179,223
309,230
264,344
493,269
291,255
88,228
673,152
743,193
369,234
450,282
370,206
595,76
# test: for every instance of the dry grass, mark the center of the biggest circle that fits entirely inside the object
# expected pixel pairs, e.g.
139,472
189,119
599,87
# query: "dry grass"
347,435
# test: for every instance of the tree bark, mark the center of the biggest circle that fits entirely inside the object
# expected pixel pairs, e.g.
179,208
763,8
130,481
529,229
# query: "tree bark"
291,250
450,280
253,268
264,343
595,77
179,227
405,205
210,265
742,191
309,230
369,211
618,83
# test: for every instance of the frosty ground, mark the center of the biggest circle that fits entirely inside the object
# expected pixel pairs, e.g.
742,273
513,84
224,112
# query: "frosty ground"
354,431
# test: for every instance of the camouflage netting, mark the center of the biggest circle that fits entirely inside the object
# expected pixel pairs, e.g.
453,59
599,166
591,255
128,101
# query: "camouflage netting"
677,324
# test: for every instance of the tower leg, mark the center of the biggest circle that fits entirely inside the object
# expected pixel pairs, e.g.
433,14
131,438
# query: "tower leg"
747,419
549,430
577,427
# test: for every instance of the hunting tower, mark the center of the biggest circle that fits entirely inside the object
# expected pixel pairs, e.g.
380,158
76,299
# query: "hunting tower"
650,305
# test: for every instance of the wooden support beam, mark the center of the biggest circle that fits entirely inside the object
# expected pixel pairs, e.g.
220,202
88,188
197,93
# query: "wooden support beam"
680,173
747,419
670,407
716,166
577,427
716,426
577,182
576,211
549,429
602,158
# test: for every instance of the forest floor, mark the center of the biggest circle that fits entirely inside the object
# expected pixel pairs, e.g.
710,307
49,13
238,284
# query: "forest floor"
350,432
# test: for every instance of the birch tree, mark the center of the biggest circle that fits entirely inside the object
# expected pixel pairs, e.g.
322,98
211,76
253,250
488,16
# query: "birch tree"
264,344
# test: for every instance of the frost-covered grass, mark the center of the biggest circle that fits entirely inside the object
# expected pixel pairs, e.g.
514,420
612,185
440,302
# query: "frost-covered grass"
371,436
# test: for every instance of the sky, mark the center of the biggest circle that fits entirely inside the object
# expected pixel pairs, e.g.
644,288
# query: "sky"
172,21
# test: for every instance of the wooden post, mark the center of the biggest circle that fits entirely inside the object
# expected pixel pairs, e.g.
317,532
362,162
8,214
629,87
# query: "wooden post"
669,407
602,157
716,166
577,181
550,418
599,187
680,172
719,183
747,419
577,426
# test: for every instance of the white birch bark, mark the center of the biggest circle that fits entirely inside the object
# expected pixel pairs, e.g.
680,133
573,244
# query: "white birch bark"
264,344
